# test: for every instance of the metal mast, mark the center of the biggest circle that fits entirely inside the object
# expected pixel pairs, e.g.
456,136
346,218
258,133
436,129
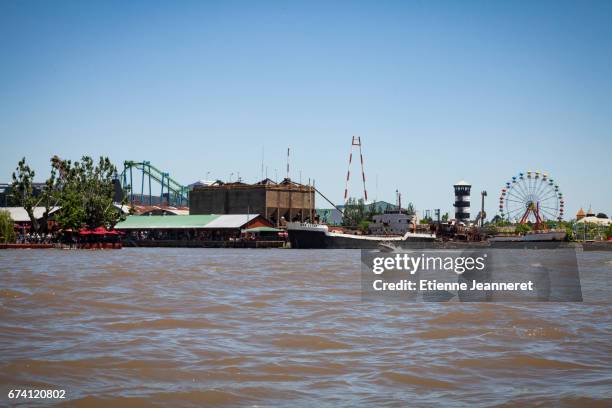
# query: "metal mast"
355,142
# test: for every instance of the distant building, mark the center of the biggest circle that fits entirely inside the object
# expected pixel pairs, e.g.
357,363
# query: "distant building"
329,216
276,202
600,219
20,216
5,193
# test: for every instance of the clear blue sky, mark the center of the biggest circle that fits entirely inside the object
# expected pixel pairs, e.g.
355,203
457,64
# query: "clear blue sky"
439,91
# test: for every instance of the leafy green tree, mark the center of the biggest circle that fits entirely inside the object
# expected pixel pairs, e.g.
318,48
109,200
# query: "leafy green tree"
425,220
490,229
22,192
445,217
373,209
364,226
87,192
609,232
354,212
49,198
7,230
410,209
72,214
499,221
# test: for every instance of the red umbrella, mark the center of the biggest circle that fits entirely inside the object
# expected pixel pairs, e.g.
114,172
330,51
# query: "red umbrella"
99,231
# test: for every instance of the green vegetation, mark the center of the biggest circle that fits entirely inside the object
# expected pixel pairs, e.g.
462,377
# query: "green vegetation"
364,225
568,226
499,221
84,191
22,191
522,228
359,215
490,229
87,193
354,212
425,220
609,232
410,210
7,231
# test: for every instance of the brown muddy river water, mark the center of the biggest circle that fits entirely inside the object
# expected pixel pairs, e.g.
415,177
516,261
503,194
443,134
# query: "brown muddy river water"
210,327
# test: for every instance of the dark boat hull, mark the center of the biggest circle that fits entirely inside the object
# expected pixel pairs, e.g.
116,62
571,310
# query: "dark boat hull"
304,239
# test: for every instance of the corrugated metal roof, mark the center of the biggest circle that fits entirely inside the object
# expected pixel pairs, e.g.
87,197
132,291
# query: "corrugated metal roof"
19,214
232,220
206,221
165,221
165,211
262,229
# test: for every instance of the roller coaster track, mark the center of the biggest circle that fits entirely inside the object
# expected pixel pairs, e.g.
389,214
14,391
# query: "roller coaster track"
171,193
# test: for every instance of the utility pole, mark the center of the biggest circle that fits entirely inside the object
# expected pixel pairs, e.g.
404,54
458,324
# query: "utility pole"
483,214
288,150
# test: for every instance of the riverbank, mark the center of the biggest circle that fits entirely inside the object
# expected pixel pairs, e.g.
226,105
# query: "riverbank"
27,246
585,246
57,245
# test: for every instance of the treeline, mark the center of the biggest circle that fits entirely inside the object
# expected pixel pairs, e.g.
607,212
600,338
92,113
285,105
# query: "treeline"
84,191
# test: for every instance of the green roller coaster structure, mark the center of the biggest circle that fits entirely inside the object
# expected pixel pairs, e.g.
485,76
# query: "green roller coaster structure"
171,193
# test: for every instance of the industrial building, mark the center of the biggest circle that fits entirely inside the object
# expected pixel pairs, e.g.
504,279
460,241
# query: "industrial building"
277,202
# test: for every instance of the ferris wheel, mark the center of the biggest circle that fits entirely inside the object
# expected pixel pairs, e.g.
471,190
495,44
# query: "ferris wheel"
531,197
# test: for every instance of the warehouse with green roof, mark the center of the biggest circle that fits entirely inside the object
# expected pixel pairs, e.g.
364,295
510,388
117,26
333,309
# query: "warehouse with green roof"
207,228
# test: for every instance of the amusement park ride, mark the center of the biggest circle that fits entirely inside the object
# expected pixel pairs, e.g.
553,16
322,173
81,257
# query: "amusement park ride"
531,197
171,192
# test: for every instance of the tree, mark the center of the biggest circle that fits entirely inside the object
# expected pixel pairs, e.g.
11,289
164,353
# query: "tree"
364,226
49,198
410,209
609,232
425,220
87,192
490,230
7,230
445,217
354,212
499,221
22,190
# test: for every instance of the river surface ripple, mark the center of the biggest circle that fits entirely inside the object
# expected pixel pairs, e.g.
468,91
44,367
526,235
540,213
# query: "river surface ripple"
239,327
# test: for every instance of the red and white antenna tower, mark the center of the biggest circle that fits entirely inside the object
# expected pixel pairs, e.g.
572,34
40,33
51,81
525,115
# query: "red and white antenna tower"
356,142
